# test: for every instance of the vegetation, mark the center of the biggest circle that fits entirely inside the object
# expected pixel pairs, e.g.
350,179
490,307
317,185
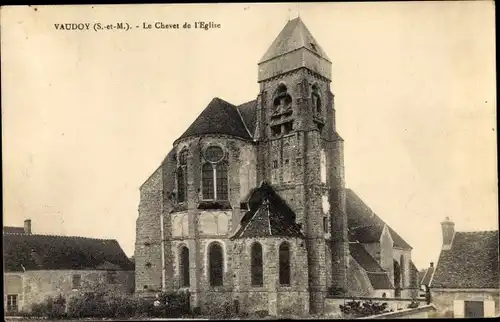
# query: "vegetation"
102,305
357,309
414,304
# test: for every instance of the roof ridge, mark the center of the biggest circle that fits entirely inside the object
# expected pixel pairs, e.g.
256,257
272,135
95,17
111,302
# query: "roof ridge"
64,236
476,231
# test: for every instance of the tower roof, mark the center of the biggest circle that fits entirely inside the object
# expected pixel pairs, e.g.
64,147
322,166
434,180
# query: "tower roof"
294,35
269,216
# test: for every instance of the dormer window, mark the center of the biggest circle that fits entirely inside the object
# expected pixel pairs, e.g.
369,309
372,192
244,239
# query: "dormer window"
313,46
214,174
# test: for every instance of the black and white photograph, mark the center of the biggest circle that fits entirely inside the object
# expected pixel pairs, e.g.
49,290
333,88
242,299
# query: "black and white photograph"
249,161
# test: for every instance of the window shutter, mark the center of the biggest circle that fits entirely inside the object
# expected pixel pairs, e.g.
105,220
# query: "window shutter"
458,309
489,308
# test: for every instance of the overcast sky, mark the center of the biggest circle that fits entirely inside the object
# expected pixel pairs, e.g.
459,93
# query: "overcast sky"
87,116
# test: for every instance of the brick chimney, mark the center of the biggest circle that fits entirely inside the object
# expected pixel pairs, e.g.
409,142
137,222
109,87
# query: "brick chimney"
448,229
27,226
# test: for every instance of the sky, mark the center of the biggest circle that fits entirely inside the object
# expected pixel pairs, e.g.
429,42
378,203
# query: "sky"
87,116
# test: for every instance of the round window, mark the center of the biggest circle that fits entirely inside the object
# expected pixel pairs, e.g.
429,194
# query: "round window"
214,154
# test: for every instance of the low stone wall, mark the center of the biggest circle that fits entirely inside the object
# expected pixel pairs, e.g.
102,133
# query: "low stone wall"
421,312
332,305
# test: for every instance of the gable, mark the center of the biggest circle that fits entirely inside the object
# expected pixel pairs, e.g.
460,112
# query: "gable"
269,215
471,262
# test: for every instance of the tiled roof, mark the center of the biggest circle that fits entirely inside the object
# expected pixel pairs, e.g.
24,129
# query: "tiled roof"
219,117
44,252
376,274
426,278
380,281
413,275
293,36
472,262
13,230
360,255
364,225
269,215
248,112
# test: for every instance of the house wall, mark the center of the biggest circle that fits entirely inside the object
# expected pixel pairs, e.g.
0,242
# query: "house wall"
35,286
444,300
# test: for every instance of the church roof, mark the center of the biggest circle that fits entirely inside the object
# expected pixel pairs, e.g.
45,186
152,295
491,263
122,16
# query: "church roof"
219,117
248,113
364,225
471,262
47,252
376,274
269,216
294,35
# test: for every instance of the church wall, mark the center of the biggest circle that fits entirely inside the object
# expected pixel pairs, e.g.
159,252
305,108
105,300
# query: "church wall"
405,267
271,296
148,240
247,170
386,253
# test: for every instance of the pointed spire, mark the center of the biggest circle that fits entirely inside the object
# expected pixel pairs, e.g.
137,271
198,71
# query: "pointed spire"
294,35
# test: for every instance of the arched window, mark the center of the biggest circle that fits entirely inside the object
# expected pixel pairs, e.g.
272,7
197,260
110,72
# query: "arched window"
215,264
221,181
287,165
184,266
282,100
181,185
284,261
214,175
182,176
208,181
316,99
257,273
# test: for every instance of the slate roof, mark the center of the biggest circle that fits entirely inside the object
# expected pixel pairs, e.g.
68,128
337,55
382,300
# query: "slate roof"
293,36
46,252
364,225
219,117
376,274
13,230
269,216
471,262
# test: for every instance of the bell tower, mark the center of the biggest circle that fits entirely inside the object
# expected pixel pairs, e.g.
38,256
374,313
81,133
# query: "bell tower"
300,153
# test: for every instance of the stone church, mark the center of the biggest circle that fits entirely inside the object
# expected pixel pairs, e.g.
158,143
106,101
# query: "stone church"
250,208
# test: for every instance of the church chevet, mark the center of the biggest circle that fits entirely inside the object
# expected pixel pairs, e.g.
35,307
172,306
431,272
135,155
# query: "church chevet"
249,208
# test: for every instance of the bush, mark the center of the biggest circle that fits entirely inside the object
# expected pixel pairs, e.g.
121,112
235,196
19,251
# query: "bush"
359,309
88,305
414,304
219,310
53,308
